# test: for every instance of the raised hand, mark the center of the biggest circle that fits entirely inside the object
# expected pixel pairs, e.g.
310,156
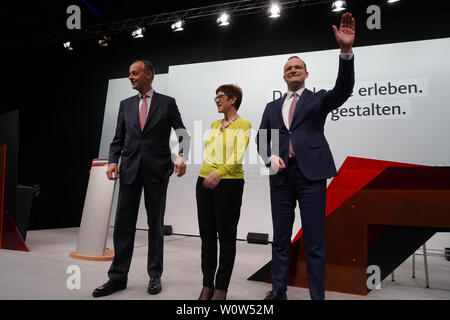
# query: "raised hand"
345,36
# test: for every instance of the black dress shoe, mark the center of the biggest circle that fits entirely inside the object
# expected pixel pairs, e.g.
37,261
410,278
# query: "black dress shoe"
108,288
273,295
154,286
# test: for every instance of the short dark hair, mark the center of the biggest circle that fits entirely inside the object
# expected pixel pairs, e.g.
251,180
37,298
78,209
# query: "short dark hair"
148,67
304,63
232,91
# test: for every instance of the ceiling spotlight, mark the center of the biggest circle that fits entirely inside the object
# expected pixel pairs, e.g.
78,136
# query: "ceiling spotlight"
138,33
178,26
339,5
274,11
223,20
67,45
392,1
104,41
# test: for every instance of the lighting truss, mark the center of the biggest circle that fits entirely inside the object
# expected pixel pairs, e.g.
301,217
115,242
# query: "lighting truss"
236,8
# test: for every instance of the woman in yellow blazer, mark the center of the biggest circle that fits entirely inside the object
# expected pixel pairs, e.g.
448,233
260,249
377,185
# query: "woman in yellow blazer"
219,192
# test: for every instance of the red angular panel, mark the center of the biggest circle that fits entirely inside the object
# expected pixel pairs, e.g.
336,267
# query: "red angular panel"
378,214
10,237
353,175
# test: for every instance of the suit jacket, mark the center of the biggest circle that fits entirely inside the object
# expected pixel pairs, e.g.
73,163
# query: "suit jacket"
150,146
312,153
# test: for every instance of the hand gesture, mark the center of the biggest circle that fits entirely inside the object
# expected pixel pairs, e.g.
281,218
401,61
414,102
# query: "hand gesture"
180,166
345,36
212,180
112,172
277,163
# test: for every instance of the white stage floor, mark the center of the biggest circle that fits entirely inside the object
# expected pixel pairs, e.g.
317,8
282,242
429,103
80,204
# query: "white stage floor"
41,273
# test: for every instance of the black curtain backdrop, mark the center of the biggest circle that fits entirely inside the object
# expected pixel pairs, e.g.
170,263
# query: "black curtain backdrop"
61,95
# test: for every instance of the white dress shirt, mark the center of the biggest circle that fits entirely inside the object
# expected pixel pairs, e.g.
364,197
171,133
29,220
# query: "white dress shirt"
287,105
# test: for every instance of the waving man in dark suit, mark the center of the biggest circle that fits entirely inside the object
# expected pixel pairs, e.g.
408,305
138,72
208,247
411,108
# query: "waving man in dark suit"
141,141
302,162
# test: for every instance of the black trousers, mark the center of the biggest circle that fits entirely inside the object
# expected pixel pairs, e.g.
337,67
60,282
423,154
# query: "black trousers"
218,213
125,226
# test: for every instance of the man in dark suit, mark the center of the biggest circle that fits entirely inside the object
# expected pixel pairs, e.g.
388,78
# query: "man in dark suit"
141,141
301,161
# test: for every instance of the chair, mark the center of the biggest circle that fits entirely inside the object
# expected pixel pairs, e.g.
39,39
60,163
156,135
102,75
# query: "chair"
427,280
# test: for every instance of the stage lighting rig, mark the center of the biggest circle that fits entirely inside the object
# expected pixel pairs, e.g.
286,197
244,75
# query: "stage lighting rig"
338,5
274,11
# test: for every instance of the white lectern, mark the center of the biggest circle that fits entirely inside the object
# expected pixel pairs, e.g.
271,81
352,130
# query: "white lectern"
96,214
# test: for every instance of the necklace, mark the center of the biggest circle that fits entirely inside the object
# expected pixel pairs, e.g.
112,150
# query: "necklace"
223,127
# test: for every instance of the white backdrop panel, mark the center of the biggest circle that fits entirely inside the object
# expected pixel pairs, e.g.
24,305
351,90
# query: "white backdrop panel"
398,112
408,80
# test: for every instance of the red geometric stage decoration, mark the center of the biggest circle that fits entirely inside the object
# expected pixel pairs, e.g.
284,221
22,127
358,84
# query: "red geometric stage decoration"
10,237
378,214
